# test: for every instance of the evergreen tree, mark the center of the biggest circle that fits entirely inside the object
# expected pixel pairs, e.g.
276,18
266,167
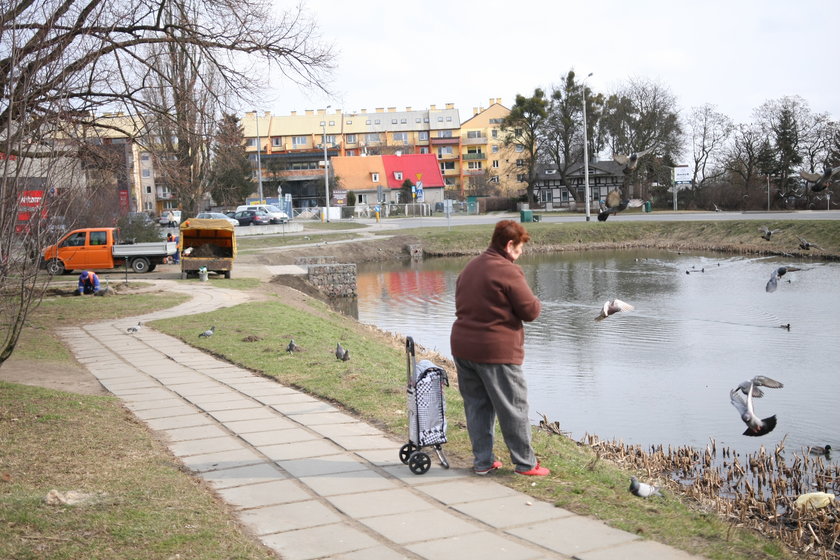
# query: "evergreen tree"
231,174
523,128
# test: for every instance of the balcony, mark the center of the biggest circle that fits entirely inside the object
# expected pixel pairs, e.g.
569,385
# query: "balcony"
164,195
479,155
444,141
474,141
473,172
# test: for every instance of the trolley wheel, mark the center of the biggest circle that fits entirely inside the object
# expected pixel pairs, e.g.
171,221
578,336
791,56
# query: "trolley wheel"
419,462
406,451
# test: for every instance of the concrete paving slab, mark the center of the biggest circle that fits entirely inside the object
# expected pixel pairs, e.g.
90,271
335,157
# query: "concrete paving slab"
240,476
436,472
221,460
511,511
288,517
186,421
357,443
253,413
572,535
195,432
470,489
205,445
265,494
649,550
348,483
300,450
480,545
291,409
319,416
375,553
327,464
319,542
151,404
275,437
377,504
419,526
274,422
166,412
235,403
346,429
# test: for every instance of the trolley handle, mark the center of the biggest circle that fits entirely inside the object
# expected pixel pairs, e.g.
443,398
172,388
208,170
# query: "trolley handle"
409,345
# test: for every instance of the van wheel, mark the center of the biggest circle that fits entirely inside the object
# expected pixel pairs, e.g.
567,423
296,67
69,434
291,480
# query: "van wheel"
140,265
55,267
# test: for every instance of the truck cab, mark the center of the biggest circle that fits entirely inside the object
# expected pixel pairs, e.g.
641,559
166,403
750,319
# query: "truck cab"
88,248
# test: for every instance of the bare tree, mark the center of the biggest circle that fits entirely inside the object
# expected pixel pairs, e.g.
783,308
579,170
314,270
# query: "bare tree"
62,62
522,128
744,159
709,131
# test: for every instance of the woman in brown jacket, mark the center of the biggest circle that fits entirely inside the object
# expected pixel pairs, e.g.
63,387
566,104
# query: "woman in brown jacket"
492,299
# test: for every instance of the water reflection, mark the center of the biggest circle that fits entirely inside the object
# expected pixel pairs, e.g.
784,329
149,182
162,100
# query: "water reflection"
661,373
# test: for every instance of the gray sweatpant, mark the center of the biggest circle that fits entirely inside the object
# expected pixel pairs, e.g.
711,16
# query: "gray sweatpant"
491,390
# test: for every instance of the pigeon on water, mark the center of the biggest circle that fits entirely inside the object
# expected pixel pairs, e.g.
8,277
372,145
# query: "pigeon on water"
806,245
773,283
615,204
292,347
767,233
135,329
755,425
630,162
613,306
208,333
339,351
642,489
821,181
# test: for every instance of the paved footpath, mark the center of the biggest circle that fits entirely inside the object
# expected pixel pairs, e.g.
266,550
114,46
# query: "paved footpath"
313,482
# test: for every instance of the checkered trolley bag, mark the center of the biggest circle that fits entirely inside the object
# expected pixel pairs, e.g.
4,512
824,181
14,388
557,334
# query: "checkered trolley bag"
426,412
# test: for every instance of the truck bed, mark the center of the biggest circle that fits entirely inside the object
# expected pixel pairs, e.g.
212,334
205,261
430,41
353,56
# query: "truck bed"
151,249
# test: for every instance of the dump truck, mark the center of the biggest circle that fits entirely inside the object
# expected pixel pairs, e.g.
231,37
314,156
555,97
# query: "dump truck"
100,249
206,244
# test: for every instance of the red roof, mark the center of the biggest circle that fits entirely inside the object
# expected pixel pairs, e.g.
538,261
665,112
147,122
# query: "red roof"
423,167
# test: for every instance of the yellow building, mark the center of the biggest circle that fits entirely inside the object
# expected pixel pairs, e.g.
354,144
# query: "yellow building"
488,166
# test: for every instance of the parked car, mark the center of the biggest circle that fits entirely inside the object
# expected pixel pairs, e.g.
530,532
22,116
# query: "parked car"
277,215
252,218
170,218
217,216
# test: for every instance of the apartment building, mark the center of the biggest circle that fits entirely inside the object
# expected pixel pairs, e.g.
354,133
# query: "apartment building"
487,165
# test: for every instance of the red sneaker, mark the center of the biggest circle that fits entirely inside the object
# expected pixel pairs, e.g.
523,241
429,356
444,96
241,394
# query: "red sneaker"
536,471
482,472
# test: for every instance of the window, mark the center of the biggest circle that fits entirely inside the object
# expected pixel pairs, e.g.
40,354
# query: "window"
447,166
332,123
146,173
374,177
425,119
545,195
276,142
444,151
367,121
495,164
423,135
377,121
494,133
351,138
474,134
330,139
401,137
495,121
448,119
444,134
417,120
252,142
99,238
424,150
372,137
361,198
520,163
440,119
145,156
398,175
474,165
393,121
520,148
495,149
494,178
474,150
148,189
403,121
349,122
298,140
521,177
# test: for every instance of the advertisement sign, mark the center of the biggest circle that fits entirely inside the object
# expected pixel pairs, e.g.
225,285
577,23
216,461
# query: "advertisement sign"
682,175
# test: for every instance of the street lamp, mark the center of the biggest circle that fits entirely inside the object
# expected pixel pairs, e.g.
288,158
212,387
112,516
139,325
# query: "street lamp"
259,163
326,164
586,193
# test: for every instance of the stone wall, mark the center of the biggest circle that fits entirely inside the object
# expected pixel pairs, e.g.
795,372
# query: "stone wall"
306,261
335,280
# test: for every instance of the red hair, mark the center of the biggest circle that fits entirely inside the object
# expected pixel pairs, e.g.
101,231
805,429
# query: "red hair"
508,230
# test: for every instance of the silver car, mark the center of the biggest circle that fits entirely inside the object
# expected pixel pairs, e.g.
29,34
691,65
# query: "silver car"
217,216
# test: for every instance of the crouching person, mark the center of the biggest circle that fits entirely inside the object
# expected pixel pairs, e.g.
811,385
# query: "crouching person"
88,283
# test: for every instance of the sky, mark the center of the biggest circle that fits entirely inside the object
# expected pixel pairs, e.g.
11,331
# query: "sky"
734,54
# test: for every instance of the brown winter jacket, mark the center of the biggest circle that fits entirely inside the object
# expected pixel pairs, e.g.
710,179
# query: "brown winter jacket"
492,298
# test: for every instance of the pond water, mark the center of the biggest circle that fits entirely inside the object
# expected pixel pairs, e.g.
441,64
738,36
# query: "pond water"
660,374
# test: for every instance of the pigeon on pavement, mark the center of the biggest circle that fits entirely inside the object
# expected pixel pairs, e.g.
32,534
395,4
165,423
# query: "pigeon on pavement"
755,426
613,306
135,329
773,283
642,489
208,333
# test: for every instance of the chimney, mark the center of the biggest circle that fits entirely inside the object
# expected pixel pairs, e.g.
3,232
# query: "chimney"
310,112
392,109
294,113
475,111
432,108
408,109
363,111
450,105
380,109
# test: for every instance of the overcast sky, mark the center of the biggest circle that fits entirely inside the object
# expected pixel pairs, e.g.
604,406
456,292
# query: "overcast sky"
735,54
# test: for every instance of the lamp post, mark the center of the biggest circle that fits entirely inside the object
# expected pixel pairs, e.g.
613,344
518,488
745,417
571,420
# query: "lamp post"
326,164
259,149
586,193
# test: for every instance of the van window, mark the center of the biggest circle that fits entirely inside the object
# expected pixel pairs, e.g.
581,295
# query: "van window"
75,240
98,238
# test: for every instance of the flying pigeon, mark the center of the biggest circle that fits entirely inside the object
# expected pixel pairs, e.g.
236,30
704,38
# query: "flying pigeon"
292,347
613,306
716,207
772,284
821,182
630,162
339,351
755,426
760,381
806,245
135,329
767,233
615,204
208,333
642,489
